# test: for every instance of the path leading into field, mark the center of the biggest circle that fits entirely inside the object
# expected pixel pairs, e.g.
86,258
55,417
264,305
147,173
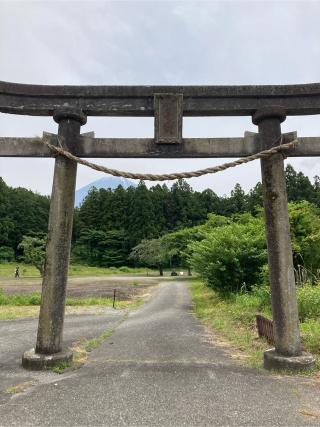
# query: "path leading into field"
159,367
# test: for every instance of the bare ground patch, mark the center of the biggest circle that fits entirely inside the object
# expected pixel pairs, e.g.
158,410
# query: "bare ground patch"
130,291
126,287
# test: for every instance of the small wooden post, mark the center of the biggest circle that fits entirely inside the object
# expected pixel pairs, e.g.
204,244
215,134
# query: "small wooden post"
114,299
287,353
49,349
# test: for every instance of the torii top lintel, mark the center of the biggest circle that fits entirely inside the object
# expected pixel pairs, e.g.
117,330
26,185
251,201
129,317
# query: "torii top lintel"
43,100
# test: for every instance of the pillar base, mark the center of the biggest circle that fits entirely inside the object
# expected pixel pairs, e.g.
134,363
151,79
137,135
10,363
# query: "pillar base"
304,362
36,361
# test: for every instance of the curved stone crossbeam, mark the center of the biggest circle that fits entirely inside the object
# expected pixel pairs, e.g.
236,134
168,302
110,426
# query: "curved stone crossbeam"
42,100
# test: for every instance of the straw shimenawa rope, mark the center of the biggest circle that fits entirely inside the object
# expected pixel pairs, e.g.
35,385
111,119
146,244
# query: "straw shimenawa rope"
177,175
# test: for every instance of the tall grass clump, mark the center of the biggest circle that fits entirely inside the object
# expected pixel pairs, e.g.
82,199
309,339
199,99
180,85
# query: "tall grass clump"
308,297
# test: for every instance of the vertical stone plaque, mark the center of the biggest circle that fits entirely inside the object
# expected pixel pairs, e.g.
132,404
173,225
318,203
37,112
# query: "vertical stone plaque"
168,118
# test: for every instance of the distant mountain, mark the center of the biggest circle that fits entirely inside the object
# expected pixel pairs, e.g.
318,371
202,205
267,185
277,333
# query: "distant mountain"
110,182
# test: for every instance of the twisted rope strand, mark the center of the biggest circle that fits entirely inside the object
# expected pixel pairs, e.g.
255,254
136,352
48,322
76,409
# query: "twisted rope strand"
177,175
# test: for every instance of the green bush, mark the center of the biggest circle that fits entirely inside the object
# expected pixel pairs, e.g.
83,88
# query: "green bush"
231,257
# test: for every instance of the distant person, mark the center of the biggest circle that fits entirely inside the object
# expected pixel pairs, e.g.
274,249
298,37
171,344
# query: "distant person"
17,272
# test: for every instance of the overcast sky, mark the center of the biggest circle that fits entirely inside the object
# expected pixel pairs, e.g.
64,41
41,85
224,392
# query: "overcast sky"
156,42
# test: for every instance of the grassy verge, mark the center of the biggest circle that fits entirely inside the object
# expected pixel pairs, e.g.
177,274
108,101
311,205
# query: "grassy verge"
233,318
225,317
26,270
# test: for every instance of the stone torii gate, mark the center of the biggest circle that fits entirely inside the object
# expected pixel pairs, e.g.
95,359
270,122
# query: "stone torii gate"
70,105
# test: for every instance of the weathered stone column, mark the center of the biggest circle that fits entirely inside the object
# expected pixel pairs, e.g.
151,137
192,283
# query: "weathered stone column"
49,349
287,353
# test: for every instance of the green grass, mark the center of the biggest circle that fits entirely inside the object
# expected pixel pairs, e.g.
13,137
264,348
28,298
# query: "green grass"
7,270
96,342
26,270
20,388
228,319
83,347
20,300
10,312
60,367
35,299
27,305
234,318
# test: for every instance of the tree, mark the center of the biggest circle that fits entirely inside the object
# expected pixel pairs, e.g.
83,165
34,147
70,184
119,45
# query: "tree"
101,248
254,200
299,186
180,205
141,217
152,253
237,199
6,254
90,210
305,236
316,187
207,201
34,251
177,246
22,212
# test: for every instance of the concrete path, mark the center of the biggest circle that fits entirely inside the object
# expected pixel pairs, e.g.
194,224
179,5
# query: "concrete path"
157,368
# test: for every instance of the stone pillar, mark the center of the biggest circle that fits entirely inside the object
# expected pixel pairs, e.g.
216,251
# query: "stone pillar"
287,353
49,349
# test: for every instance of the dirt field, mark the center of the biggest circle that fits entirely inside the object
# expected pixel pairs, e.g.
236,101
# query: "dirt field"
82,287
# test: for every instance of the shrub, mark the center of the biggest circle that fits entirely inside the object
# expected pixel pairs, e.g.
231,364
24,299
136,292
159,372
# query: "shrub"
231,257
